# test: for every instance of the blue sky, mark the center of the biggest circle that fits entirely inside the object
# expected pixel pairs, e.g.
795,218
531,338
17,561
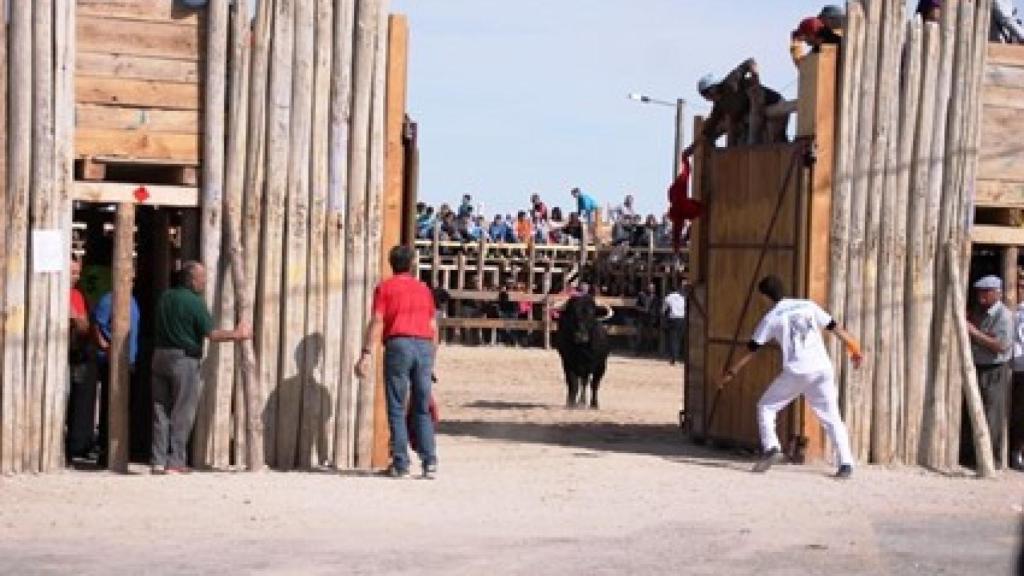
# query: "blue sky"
531,96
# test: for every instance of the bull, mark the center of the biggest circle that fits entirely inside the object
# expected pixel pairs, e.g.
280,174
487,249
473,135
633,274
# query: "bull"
582,344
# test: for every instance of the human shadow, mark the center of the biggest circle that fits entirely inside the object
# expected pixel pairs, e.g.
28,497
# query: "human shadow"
299,412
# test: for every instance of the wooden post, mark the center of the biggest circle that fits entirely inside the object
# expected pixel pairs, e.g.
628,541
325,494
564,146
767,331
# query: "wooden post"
372,388
936,403
917,296
910,102
435,256
6,416
313,448
270,284
355,238
341,89
976,409
64,104
120,376
205,438
249,408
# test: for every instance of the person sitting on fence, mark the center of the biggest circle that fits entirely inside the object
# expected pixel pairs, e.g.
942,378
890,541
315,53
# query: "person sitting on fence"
811,32
738,100
524,228
424,221
930,10
624,210
622,231
573,229
663,236
541,230
449,227
466,207
555,235
499,231
1006,26
586,206
464,229
537,208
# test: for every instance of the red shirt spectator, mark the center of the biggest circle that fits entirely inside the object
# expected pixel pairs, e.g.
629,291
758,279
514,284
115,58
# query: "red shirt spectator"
407,306
78,307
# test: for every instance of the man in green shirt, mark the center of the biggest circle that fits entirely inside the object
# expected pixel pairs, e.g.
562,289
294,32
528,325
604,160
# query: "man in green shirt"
182,322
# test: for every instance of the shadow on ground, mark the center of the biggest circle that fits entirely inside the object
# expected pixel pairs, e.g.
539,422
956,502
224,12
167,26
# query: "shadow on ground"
660,440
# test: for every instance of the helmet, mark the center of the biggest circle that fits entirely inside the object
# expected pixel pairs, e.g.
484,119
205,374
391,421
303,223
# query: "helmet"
832,11
706,81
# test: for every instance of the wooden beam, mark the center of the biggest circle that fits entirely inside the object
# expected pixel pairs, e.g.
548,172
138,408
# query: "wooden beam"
154,195
999,194
92,170
157,147
997,235
140,93
128,67
6,417
102,117
120,375
158,39
1005,54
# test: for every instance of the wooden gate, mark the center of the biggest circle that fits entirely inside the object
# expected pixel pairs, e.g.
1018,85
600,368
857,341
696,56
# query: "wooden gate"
755,198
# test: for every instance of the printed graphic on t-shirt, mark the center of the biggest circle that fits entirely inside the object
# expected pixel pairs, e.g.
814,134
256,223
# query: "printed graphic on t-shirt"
799,327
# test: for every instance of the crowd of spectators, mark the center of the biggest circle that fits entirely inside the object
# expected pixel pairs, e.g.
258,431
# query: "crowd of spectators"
541,225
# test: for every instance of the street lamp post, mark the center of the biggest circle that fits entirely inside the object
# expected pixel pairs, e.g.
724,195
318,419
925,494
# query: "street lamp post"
680,106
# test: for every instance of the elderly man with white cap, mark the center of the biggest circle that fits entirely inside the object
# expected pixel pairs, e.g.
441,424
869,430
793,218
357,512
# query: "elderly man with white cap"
991,330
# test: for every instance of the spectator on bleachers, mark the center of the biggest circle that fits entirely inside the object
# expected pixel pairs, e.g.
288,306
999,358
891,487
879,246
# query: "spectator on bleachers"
466,208
424,221
556,223
449,227
523,228
499,231
621,231
624,210
573,228
585,205
537,208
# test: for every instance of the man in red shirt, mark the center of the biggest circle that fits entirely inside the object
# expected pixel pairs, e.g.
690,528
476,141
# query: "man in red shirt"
80,416
403,316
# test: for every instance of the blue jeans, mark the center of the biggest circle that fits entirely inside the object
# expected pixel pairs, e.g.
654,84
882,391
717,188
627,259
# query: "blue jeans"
408,364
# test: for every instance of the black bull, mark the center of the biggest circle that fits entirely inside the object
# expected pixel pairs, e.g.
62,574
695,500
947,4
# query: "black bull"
582,344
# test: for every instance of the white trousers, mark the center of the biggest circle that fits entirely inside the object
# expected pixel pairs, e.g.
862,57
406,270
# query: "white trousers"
820,390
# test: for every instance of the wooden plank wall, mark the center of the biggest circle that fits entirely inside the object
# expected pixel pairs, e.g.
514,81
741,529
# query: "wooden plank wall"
744,185
137,80
1001,163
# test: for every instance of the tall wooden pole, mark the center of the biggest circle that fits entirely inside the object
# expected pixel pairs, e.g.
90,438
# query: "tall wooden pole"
64,105
19,175
355,240
6,418
255,179
337,199
976,409
918,314
37,379
372,387
395,187
270,291
292,377
249,410
313,441
214,370
120,375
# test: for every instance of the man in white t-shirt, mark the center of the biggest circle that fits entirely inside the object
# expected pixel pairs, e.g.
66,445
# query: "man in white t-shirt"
796,326
674,309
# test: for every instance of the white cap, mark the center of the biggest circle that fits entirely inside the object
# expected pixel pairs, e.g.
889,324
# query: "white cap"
989,282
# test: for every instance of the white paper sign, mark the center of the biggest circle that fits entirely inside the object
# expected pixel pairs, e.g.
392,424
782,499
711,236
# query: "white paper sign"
47,251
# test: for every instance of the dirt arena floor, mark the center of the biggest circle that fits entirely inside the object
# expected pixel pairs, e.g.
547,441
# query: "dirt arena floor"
525,487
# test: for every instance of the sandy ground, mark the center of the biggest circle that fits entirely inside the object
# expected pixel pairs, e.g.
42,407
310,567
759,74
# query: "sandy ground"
525,487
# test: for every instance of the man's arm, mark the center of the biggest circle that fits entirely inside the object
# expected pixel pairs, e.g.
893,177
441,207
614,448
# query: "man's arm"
733,370
991,343
242,331
373,334
852,346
